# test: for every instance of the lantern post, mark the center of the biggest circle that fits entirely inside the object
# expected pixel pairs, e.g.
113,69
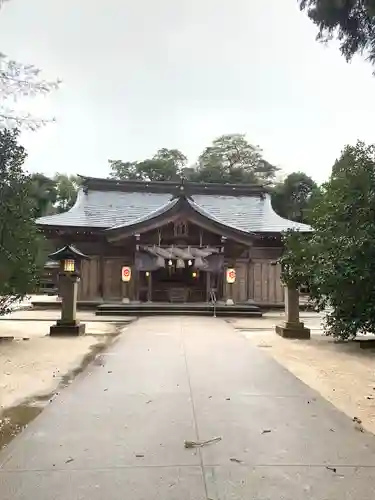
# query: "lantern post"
230,276
70,259
293,327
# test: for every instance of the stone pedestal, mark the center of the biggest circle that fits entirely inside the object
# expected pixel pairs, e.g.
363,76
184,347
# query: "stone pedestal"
68,324
66,328
292,328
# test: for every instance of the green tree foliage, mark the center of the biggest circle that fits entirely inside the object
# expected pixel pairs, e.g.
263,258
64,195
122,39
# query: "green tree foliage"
165,165
232,159
294,197
19,237
44,193
20,80
337,260
53,195
66,191
352,22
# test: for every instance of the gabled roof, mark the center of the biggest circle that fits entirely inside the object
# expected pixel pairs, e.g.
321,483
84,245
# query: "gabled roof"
109,204
68,252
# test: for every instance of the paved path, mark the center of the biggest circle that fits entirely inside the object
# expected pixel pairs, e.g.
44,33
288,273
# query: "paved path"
118,431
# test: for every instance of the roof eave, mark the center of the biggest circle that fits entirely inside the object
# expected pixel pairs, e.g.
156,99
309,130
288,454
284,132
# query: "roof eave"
182,207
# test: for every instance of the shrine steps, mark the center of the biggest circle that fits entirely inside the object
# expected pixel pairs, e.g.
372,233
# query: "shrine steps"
193,309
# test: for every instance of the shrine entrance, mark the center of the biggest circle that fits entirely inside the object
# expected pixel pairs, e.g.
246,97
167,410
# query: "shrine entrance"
174,284
178,275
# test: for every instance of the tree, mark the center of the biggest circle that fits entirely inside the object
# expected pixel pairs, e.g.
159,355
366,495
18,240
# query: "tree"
53,195
20,80
352,22
19,237
165,165
123,170
44,193
337,260
231,159
66,191
293,197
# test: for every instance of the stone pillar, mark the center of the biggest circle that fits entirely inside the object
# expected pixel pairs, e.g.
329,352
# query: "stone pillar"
292,328
68,324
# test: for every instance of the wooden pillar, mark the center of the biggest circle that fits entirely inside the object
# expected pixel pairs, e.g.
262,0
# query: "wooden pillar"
125,292
149,287
292,328
136,284
101,276
229,287
136,270
208,285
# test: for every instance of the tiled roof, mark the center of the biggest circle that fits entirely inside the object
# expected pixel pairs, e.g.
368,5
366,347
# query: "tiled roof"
114,208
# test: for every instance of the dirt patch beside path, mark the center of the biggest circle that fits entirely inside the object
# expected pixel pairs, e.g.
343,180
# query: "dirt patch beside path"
34,369
341,372
34,363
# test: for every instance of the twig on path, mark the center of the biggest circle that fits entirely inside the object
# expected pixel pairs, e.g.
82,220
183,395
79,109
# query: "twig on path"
333,469
199,444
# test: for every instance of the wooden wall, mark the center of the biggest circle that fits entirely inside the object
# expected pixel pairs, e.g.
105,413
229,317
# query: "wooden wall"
258,280
101,279
265,282
90,280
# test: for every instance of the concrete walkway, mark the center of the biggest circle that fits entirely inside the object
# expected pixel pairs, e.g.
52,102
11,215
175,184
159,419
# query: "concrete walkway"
118,431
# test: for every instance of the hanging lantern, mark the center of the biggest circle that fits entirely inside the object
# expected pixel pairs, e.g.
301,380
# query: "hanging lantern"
180,264
170,263
194,274
190,262
69,265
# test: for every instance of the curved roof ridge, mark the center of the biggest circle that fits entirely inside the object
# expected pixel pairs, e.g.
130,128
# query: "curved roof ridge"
198,208
271,217
79,205
155,213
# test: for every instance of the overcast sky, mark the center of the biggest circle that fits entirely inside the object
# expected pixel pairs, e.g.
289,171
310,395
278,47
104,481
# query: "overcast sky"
139,75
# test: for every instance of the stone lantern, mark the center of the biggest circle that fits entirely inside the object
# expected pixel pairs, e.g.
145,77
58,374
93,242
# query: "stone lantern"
70,259
293,327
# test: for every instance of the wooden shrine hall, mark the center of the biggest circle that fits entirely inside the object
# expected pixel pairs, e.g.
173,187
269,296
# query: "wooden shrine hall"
173,242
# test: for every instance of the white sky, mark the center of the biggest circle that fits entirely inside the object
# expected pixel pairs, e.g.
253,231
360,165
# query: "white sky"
145,74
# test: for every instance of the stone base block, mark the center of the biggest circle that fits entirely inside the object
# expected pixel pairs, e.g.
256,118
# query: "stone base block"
68,329
293,331
7,338
366,343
